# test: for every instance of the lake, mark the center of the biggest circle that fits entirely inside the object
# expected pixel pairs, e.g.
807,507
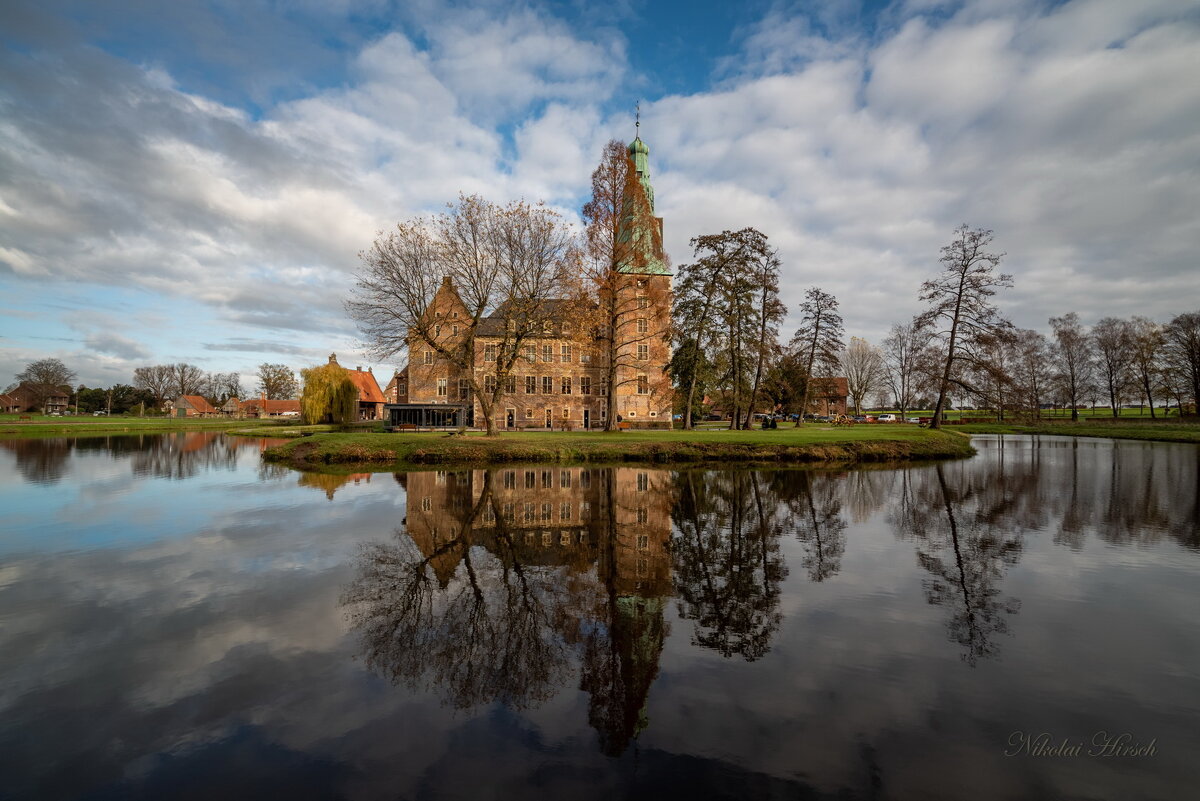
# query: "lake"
179,619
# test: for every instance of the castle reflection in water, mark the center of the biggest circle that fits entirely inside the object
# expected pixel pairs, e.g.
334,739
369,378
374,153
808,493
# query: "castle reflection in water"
504,581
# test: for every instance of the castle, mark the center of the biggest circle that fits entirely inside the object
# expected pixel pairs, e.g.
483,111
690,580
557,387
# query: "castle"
571,375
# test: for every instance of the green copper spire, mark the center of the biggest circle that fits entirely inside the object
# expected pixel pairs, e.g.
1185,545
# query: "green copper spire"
645,235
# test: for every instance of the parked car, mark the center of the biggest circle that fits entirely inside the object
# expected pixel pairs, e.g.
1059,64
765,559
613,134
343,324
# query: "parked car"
859,418
912,420
887,418
100,413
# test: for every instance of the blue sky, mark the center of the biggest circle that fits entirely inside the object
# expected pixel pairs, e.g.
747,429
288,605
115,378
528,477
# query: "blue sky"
193,180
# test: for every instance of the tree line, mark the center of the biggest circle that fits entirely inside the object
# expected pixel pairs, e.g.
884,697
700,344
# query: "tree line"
151,386
959,348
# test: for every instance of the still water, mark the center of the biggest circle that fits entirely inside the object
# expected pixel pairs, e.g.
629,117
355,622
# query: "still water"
179,620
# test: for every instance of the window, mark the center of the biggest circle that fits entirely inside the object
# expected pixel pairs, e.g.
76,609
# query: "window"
454,328
549,418
530,479
489,384
464,388
585,357
643,385
566,385
547,479
547,511
585,479
441,388
530,384
426,504
642,325
603,387
643,514
510,384
455,315
547,385
585,385
547,327
489,353
564,478
643,482
529,414
566,413
429,357
643,302
488,516
530,353
437,330
643,540
528,512
643,352
565,355
547,353
510,479
509,514
546,539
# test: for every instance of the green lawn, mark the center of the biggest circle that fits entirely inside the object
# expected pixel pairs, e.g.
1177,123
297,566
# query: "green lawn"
45,426
1174,431
811,443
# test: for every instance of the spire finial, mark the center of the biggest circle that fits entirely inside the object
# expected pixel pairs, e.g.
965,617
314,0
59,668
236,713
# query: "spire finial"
637,116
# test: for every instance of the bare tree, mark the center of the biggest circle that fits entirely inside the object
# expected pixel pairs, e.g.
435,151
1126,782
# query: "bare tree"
904,351
156,379
277,382
1074,359
220,387
186,379
818,340
1113,342
1031,370
863,365
960,310
44,378
1147,341
508,262
1183,350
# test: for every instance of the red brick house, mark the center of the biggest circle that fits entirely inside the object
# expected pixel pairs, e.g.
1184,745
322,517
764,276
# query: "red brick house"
829,396
24,398
264,407
370,397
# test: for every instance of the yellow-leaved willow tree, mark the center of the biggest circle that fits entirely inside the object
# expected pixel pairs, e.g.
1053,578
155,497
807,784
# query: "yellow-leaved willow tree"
329,395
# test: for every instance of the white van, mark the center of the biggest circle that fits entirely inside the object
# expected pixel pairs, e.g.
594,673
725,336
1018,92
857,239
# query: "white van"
886,418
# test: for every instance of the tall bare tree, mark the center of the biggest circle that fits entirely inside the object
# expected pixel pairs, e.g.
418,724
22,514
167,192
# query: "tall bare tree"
961,312
186,379
1183,349
1031,372
156,379
1074,359
509,262
277,382
1147,342
817,340
904,351
863,366
1113,342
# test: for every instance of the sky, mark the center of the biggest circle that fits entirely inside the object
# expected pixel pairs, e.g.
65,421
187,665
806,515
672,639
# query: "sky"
192,181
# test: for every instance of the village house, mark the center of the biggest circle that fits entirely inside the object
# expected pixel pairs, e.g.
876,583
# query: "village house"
370,397
560,378
265,407
24,398
194,406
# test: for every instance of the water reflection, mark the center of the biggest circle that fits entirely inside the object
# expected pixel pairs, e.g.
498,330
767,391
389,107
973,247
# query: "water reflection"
502,583
47,460
592,632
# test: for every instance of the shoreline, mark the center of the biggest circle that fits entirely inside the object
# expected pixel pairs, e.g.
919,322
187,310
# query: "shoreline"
802,446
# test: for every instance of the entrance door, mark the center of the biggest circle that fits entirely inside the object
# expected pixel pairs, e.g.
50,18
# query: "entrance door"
510,418
587,419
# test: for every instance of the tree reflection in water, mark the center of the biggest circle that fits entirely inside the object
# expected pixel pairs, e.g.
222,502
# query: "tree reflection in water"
965,537
814,503
502,580
728,568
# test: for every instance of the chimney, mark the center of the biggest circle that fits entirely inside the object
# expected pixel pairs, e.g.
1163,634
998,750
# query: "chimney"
358,368
371,370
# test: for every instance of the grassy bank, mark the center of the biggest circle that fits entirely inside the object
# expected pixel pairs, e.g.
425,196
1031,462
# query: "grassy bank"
1116,429
10,426
809,444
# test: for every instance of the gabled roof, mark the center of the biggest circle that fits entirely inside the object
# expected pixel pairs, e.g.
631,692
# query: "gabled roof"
198,403
271,406
368,387
553,309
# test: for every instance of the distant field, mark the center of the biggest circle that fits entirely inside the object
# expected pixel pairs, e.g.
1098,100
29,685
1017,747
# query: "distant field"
43,425
1116,429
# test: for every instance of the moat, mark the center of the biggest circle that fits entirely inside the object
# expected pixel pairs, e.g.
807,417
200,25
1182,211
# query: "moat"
180,619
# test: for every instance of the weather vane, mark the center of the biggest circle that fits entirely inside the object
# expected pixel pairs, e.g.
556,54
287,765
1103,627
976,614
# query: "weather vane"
637,117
